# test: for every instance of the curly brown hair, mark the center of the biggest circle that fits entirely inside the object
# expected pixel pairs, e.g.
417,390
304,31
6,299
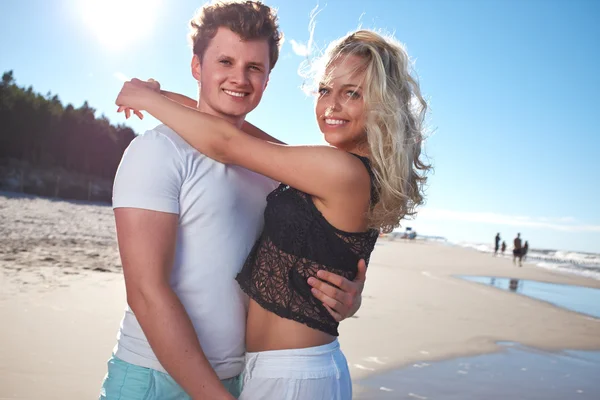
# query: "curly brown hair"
251,20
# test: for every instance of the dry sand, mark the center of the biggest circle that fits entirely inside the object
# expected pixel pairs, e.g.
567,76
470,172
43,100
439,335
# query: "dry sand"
62,297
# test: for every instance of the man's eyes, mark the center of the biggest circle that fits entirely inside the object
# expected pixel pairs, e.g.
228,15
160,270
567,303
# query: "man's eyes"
229,62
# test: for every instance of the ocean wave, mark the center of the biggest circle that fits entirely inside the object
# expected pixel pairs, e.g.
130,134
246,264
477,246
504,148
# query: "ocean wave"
571,269
571,262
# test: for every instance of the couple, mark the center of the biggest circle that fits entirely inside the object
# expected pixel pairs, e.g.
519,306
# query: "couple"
197,231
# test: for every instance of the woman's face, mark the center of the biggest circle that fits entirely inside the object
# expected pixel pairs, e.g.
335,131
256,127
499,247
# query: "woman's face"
340,108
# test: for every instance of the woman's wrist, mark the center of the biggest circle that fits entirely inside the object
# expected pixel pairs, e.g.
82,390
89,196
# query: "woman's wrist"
154,100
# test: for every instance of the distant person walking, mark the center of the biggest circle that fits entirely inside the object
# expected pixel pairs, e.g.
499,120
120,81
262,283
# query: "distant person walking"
517,250
497,246
503,248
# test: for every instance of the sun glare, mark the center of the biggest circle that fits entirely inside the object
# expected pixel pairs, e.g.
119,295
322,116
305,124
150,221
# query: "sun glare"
119,23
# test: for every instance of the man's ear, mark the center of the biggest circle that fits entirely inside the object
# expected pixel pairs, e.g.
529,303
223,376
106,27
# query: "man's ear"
196,68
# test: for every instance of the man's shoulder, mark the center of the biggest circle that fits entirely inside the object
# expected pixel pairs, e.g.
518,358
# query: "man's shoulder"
162,134
167,135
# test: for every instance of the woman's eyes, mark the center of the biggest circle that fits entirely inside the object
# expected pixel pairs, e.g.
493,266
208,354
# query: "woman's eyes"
353,94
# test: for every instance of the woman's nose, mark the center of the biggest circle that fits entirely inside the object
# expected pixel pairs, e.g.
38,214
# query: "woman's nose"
333,105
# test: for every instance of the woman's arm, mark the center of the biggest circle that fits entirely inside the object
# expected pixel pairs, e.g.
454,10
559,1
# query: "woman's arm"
321,171
249,128
180,98
258,133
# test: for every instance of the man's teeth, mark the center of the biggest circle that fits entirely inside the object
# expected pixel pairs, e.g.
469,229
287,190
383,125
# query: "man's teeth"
235,94
330,121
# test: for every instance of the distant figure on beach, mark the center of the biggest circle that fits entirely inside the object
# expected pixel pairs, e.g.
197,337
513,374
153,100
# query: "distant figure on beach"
517,250
330,210
186,223
525,250
497,246
503,248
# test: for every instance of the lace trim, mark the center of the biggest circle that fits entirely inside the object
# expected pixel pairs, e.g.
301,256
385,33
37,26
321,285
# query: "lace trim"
284,312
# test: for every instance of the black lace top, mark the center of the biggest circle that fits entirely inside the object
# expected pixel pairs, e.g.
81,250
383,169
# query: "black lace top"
296,242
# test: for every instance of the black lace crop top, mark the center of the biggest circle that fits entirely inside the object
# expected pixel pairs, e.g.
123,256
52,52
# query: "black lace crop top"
296,242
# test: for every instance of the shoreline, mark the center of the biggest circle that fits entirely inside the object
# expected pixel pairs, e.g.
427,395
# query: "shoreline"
514,372
463,335
62,313
49,331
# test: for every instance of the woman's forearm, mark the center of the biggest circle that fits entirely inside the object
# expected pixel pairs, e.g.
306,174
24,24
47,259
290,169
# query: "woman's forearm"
248,127
180,98
208,134
258,133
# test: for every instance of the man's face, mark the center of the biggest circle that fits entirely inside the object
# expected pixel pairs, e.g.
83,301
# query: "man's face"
233,75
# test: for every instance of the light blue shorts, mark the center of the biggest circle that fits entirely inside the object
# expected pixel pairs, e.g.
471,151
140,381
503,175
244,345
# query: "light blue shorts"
126,381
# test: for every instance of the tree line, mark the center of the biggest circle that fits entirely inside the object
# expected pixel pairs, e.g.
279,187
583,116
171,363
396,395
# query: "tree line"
40,130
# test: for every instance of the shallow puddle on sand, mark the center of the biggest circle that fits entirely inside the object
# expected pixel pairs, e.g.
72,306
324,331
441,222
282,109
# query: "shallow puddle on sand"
517,372
580,299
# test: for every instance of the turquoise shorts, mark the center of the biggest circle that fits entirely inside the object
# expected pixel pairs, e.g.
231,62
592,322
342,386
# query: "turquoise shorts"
126,381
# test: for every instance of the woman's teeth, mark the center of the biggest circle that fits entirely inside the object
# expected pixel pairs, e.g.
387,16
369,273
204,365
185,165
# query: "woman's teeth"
330,121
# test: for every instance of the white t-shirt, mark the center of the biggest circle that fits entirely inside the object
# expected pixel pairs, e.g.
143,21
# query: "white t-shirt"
220,211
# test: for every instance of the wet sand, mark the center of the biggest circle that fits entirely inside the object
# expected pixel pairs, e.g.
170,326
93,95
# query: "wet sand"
516,372
583,300
62,298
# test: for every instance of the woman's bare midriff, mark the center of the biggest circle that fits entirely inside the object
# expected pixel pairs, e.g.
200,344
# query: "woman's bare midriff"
267,331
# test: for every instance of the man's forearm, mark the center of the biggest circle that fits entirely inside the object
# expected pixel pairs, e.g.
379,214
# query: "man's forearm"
173,339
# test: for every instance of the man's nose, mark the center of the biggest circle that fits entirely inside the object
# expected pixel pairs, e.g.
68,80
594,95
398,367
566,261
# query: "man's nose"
240,76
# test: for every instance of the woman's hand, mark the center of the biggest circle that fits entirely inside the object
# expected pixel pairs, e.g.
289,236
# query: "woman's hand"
128,91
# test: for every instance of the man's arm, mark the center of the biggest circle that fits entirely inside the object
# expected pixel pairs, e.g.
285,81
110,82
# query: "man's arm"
146,201
147,246
341,297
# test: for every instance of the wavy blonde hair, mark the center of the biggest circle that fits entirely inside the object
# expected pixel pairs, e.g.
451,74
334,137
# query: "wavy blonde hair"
395,123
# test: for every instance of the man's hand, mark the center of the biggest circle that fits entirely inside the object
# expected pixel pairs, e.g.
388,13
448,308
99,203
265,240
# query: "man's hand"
344,300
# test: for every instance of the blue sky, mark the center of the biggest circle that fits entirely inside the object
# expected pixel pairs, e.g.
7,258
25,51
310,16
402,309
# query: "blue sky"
513,88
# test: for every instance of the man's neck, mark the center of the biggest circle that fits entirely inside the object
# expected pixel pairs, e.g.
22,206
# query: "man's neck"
237,121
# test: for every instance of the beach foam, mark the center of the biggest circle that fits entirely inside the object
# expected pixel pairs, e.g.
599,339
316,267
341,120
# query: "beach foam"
569,262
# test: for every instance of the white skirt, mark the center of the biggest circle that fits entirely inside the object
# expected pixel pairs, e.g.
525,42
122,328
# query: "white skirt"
314,373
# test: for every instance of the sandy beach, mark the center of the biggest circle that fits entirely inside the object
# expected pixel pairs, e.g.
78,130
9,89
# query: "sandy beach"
62,298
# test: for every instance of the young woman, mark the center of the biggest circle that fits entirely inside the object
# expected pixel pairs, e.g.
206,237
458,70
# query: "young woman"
328,211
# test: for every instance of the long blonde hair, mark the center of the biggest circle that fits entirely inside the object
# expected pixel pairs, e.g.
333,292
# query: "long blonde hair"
395,123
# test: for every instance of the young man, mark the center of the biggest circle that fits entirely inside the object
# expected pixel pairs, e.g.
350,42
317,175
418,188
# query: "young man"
186,223
497,244
517,250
